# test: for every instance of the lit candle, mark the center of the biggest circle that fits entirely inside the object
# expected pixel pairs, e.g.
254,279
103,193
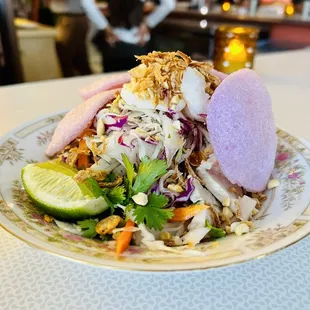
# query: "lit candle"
235,51
289,10
234,48
226,6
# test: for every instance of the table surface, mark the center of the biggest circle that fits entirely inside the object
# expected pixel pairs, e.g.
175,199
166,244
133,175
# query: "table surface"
34,279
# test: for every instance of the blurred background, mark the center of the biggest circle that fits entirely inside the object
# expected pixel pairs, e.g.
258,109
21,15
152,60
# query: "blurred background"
52,39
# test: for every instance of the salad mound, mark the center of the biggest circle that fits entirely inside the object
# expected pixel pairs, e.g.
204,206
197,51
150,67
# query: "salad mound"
148,149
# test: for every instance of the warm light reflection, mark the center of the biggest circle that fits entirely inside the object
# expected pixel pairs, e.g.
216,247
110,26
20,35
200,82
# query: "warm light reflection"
203,23
289,10
239,30
236,47
204,10
226,6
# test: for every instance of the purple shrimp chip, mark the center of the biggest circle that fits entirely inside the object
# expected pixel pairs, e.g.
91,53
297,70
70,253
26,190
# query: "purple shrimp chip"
242,130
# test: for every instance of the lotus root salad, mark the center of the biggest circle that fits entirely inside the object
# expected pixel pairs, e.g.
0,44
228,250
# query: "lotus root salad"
171,154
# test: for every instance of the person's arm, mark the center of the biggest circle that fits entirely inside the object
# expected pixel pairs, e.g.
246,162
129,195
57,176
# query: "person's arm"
94,14
161,11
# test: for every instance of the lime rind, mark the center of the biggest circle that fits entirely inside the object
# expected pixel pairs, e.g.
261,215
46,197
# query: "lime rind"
53,189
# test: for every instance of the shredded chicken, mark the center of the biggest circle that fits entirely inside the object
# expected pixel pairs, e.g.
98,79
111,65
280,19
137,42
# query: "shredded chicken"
191,171
205,69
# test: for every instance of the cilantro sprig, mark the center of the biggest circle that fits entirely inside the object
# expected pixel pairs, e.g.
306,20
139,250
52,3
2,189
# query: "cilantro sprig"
149,172
153,214
113,196
117,194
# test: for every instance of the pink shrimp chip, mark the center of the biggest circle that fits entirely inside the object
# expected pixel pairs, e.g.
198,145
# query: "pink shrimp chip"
242,130
106,83
75,121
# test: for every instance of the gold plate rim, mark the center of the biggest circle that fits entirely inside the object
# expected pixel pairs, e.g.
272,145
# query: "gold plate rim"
133,269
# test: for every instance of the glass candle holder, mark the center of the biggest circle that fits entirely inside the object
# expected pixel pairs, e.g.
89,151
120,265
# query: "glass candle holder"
289,10
226,6
234,48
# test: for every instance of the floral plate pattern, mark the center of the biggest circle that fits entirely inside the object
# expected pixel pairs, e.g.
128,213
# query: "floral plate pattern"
283,220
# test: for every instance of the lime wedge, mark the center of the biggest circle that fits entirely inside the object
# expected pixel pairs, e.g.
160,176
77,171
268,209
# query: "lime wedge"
52,187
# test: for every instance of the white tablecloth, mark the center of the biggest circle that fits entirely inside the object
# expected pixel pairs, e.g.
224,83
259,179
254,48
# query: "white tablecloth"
33,279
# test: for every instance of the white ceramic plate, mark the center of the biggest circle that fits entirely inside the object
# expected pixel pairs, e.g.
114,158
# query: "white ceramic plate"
283,220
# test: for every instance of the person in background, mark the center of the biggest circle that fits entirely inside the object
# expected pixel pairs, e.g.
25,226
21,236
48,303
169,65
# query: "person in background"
126,32
72,24
20,8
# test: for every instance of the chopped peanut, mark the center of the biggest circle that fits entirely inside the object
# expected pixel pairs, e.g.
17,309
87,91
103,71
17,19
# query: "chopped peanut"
273,183
48,218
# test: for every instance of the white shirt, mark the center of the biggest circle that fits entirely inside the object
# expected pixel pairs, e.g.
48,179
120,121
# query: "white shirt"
100,21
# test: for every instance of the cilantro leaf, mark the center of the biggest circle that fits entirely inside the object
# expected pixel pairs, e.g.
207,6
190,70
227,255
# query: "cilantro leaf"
129,207
153,214
148,173
105,237
157,201
111,177
117,194
105,192
129,169
130,176
128,191
88,228
215,232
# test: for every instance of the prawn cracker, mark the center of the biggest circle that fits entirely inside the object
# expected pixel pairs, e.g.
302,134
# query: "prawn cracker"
242,130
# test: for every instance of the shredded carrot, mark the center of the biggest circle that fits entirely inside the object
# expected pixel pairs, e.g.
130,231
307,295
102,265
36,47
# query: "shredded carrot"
83,158
124,238
183,214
